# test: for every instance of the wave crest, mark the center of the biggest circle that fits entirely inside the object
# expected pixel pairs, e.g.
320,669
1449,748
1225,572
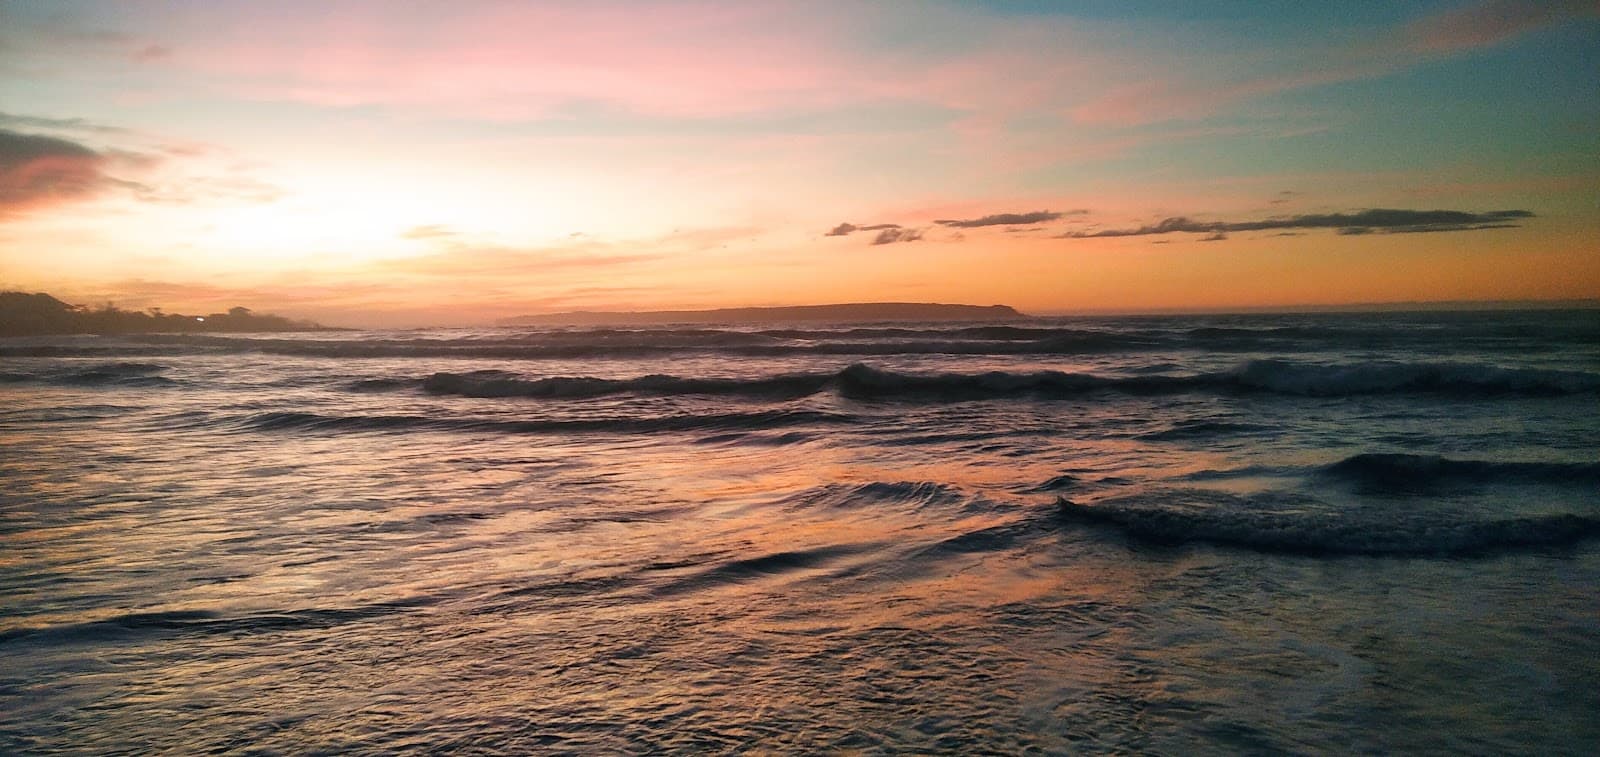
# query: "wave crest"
299,421
1291,524
915,494
497,384
1403,472
103,374
862,381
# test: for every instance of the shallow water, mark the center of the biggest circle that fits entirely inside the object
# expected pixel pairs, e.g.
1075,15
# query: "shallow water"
1164,535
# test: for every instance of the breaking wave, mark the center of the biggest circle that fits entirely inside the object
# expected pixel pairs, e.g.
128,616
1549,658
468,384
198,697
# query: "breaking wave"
500,384
862,381
1303,526
202,622
1401,472
398,423
104,374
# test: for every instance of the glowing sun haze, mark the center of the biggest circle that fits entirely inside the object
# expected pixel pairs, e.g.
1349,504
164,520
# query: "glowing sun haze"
381,163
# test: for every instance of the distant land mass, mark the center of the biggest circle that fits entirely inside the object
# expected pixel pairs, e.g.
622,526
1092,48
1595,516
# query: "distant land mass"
24,314
1409,306
854,312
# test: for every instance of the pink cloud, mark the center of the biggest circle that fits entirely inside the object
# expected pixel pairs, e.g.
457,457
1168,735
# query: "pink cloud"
48,180
517,60
512,61
39,171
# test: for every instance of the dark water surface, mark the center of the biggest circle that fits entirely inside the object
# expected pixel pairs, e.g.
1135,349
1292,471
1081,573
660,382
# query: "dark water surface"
1176,535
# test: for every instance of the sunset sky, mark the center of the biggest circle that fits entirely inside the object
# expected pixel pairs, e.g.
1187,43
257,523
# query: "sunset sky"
410,163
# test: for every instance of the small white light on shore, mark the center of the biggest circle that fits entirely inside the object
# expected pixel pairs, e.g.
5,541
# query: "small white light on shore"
200,319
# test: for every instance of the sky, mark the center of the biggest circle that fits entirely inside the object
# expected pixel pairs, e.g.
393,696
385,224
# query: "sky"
451,163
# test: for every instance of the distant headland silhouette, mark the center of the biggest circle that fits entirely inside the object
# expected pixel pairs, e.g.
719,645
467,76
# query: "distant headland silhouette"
24,314
853,312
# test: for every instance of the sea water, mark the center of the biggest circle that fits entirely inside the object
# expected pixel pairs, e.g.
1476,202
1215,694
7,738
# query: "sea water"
1171,535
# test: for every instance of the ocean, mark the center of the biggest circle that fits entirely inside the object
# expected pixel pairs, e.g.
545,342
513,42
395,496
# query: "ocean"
1249,534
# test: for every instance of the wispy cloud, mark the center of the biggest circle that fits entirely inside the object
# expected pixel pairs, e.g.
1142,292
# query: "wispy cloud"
889,233
844,229
57,124
658,58
892,235
1493,22
430,231
500,262
1381,53
1008,219
1377,220
466,256
194,190
474,261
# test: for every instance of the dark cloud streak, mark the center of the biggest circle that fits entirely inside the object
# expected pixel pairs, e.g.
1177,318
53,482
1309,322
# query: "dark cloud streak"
1376,220
889,233
850,228
1458,227
1007,219
37,170
68,124
897,234
42,170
